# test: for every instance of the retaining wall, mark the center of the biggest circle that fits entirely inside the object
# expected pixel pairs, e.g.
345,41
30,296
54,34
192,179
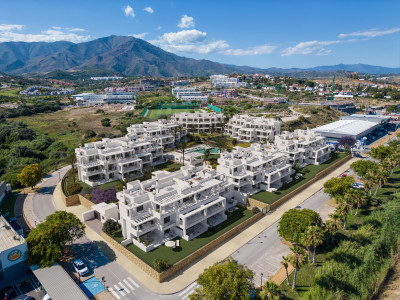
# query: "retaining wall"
160,277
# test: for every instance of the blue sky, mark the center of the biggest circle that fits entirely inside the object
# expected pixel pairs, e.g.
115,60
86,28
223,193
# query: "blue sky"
254,33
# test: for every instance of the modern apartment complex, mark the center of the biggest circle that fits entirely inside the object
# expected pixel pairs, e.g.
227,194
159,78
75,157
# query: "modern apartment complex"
224,81
92,99
200,122
303,147
184,203
126,157
188,94
247,128
254,169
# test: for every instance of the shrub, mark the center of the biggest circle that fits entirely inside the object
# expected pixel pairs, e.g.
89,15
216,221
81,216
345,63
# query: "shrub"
99,195
89,134
161,264
110,226
88,197
255,210
74,188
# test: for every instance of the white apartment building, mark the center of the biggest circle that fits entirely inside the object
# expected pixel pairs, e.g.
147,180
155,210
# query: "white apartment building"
184,203
220,81
247,128
188,94
303,147
200,122
93,99
126,157
254,169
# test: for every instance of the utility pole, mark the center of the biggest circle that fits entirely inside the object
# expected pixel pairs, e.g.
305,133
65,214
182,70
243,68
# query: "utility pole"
333,85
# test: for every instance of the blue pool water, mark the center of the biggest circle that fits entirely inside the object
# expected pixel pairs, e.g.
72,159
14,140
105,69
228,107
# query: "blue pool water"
92,287
201,150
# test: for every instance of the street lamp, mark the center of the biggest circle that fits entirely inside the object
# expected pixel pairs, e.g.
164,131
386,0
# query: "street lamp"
261,279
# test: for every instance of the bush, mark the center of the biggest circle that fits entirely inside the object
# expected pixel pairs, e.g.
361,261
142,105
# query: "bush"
106,122
110,226
161,264
89,134
74,188
255,210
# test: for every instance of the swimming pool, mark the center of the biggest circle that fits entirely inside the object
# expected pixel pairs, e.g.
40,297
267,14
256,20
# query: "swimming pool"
202,150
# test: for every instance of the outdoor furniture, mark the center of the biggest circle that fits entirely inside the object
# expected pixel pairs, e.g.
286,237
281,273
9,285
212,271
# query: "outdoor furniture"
177,243
170,244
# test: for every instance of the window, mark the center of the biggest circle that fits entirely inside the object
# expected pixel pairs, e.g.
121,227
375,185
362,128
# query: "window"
139,208
167,219
236,188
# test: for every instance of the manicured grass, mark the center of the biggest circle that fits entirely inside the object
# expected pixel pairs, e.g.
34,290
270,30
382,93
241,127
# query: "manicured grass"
392,186
109,184
271,197
168,166
186,248
7,207
156,113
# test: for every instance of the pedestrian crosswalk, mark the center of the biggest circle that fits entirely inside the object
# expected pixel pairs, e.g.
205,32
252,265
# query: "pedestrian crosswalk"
123,289
184,294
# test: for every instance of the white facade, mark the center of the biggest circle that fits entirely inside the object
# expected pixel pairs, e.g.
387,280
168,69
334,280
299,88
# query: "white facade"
303,147
253,169
126,157
225,81
188,94
200,122
247,128
93,99
184,203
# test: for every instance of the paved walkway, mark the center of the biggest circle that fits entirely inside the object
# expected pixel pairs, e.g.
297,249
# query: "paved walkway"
190,274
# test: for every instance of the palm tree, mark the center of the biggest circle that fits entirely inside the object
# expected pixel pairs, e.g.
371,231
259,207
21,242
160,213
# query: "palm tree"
271,291
285,263
369,182
207,153
330,228
297,259
360,199
176,129
222,126
391,162
234,142
381,178
342,211
182,147
306,242
316,236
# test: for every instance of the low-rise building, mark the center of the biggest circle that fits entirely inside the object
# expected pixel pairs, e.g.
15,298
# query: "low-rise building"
93,99
129,156
199,122
184,203
247,128
253,169
189,94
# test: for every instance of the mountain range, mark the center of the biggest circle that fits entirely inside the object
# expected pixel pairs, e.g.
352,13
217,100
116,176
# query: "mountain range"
133,57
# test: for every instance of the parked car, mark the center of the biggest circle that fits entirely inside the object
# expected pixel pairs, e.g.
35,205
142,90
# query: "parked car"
344,175
24,297
80,267
46,297
7,293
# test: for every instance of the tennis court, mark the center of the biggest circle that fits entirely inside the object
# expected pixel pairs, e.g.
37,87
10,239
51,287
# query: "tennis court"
156,113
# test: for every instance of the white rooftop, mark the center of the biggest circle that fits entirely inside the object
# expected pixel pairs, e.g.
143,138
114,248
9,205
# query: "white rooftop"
350,127
9,238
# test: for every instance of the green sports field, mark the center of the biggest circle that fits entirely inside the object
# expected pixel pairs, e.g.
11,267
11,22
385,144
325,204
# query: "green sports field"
156,113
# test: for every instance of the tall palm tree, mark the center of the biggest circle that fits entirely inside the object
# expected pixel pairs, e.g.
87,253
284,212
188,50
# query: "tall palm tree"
182,147
207,153
360,199
271,291
297,259
316,235
285,263
342,211
381,178
330,228
391,162
306,242
369,182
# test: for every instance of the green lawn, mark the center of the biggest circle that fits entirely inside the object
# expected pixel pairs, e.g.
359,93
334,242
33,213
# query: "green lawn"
168,166
7,207
186,248
271,197
156,113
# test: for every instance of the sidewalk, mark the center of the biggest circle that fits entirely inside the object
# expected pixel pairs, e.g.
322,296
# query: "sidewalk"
189,274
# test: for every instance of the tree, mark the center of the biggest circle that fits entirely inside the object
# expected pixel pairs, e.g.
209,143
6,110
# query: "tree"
207,153
47,242
106,122
182,147
271,291
72,160
337,187
360,198
381,152
347,141
30,175
220,143
361,167
110,226
295,222
380,178
316,236
224,280
234,142
297,259
176,129
285,264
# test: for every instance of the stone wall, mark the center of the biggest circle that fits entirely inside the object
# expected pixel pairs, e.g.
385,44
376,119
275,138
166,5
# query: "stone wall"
253,202
160,277
85,202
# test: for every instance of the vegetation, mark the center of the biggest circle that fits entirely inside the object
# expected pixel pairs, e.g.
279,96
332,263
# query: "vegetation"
30,175
110,226
224,280
47,242
7,206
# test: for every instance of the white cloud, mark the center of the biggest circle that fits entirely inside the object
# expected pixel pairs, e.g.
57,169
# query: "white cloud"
149,9
9,27
76,29
370,33
262,49
186,22
50,35
139,35
56,27
310,47
128,10
189,41
159,27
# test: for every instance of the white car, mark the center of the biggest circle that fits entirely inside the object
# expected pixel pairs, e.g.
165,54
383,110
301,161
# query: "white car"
80,267
46,297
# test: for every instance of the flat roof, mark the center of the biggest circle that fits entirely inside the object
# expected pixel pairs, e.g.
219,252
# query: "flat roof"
57,283
370,118
346,127
9,238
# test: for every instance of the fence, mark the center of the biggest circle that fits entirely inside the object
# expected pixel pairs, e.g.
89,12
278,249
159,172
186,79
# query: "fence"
215,108
144,112
178,106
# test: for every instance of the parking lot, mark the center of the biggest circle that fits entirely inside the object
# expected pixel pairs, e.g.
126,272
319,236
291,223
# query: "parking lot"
29,286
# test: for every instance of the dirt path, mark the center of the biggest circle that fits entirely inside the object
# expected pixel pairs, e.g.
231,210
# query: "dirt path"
391,288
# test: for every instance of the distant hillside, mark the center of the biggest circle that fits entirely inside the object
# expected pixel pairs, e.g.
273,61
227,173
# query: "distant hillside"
130,56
